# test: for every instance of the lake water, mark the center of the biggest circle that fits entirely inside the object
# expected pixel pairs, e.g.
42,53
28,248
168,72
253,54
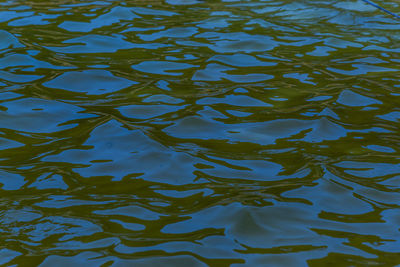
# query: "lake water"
199,133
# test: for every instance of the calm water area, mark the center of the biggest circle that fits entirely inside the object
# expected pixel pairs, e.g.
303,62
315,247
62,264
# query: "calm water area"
199,133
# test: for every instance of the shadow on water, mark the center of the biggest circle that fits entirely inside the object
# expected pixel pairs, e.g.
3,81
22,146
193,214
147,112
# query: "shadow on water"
199,133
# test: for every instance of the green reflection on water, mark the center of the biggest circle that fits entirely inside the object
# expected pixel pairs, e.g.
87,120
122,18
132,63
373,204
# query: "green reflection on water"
195,133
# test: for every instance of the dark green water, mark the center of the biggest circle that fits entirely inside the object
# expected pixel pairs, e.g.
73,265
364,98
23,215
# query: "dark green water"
188,133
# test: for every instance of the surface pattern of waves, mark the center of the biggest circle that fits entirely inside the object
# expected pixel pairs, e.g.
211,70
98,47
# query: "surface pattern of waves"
199,133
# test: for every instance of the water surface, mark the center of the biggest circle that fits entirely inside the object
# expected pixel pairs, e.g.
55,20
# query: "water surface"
199,133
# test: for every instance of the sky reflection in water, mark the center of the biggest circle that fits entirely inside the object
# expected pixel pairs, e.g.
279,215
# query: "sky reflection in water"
199,133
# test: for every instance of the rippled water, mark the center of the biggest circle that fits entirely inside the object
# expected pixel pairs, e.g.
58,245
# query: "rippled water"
199,133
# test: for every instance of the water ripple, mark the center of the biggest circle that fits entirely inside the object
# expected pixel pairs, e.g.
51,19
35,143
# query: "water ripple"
199,133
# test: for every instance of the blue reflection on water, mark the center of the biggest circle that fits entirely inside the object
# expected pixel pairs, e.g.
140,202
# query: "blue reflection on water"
195,133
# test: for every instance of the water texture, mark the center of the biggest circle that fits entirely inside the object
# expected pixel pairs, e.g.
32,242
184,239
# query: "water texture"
199,133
